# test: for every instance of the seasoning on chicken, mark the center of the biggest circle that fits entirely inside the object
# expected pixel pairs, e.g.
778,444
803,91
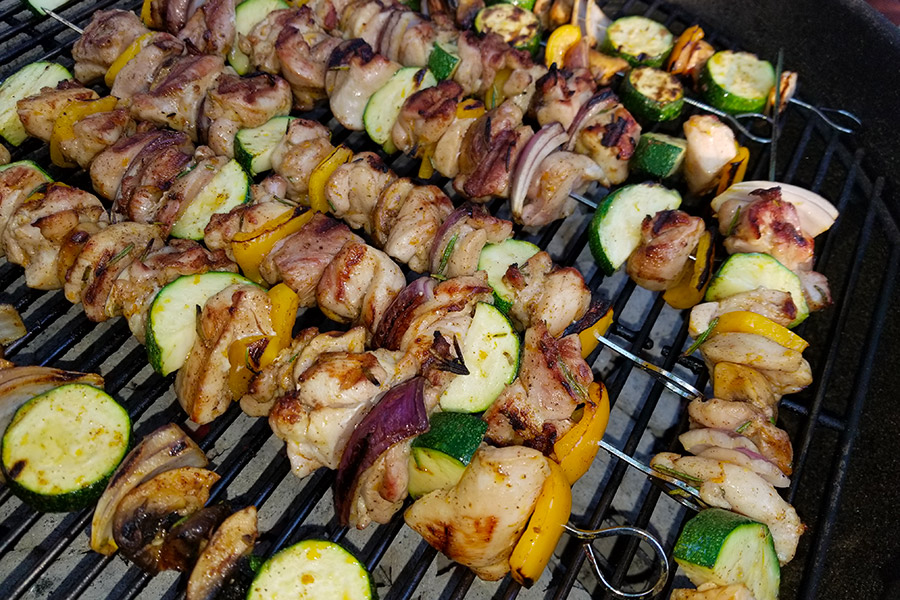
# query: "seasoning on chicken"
667,240
304,49
548,198
300,150
17,182
353,189
609,138
406,219
560,95
137,74
458,244
211,29
710,146
775,305
425,117
355,72
104,39
94,134
38,113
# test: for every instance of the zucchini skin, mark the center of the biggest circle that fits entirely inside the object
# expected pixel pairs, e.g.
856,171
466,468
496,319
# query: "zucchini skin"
666,106
716,93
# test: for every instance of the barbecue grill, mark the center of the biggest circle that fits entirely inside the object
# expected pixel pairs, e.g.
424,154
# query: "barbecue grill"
47,555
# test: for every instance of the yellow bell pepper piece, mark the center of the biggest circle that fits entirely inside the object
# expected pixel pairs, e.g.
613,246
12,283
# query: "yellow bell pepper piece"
735,170
742,321
576,450
320,175
495,95
589,336
533,551
130,52
681,51
470,108
64,126
251,248
426,167
561,41
689,290
146,17
241,355
285,304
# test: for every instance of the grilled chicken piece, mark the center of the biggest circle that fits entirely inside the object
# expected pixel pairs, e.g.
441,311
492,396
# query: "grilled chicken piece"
354,187
740,383
185,188
750,349
602,67
138,73
303,49
39,227
710,146
471,226
536,409
277,378
769,225
358,285
775,305
737,488
38,113
815,289
425,117
355,72
330,398
560,174
560,95
609,138
151,173
392,40
481,535
736,449
175,97
482,57
259,44
16,185
300,259
710,591
108,34
304,145
382,488
237,312
667,240
545,292
94,134
449,148
5,158
211,29
137,285
109,167
246,217
105,255
365,20
773,443
412,225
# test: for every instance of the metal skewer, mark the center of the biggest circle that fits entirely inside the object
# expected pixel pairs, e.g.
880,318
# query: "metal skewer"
776,105
65,21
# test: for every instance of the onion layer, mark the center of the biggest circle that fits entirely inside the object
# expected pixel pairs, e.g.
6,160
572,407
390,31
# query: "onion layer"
540,146
398,314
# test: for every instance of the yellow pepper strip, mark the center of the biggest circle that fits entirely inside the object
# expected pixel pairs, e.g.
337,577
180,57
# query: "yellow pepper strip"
251,248
130,52
589,336
561,41
735,170
495,95
426,168
146,17
240,357
320,175
575,451
689,290
742,321
64,126
681,51
470,108
533,551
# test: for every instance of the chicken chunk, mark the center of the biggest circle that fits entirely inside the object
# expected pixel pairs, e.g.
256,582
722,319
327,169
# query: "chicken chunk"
138,73
610,139
667,240
38,113
710,146
211,29
94,134
548,197
16,185
354,188
108,34
355,72
304,145
259,44
425,117
151,173
463,235
415,224
775,305
304,49
109,167
560,95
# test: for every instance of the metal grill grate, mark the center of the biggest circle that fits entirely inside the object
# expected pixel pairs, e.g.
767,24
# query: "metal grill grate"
47,555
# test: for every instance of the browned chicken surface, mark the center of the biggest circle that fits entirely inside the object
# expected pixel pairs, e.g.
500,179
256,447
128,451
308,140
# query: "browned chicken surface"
557,176
667,240
353,189
150,174
559,95
109,167
355,72
211,29
408,223
303,49
138,73
457,248
425,117
609,139
259,44
16,184
38,113
94,134
248,101
304,145
108,34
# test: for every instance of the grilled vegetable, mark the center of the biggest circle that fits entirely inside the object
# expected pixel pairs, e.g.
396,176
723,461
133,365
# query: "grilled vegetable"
320,175
737,82
725,548
689,290
639,40
40,7
147,513
560,41
443,60
652,94
491,355
439,456
246,15
615,230
227,189
312,569
743,321
658,155
384,106
253,147
594,324
62,447
520,28
747,272
172,319
166,448
496,259
12,327
227,550
189,536
25,82
251,247
575,451
735,170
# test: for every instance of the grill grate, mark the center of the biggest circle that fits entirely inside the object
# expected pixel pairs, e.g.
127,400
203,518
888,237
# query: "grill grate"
46,555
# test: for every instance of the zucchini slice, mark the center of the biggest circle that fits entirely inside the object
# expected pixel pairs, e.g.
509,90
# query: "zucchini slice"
40,7
247,15
229,188
652,94
172,320
496,259
615,230
62,447
439,456
519,27
25,82
384,106
725,548
312,570
737,82
659,155
747,272
491,354
639,40
443,60
253,147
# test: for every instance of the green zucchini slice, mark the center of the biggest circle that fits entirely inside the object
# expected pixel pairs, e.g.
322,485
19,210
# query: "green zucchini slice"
25,82
639,40
253,147
439,456
737,82
659,155
443,60
496,259
384,106
228,188
519,27
652,94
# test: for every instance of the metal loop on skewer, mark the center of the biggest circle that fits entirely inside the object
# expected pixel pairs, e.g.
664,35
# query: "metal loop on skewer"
735,120
588,536
821,113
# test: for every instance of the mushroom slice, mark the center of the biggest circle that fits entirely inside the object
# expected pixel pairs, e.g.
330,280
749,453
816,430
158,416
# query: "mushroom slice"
220,561
187,539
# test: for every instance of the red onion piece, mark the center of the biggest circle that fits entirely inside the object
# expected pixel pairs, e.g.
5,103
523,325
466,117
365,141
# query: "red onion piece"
540,146
441,238
398,314
602,100
751,454
399,415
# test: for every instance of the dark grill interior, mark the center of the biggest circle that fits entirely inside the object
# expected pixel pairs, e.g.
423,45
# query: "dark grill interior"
47,555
